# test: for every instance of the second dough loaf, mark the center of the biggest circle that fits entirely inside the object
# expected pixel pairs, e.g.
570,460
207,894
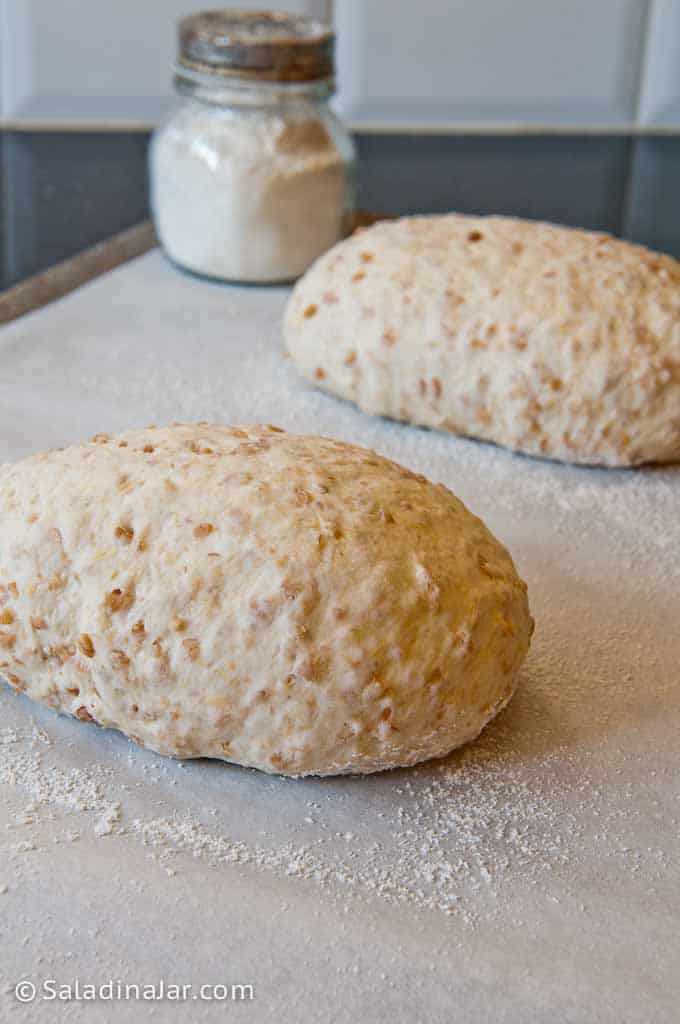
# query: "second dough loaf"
548,340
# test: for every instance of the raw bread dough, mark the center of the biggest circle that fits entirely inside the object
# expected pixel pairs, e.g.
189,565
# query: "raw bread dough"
548,340
292,603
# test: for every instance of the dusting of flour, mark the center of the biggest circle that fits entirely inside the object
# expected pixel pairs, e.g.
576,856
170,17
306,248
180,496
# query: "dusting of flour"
571,795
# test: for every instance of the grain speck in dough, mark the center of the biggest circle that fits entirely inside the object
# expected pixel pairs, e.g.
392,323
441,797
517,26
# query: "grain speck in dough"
299,605
548,340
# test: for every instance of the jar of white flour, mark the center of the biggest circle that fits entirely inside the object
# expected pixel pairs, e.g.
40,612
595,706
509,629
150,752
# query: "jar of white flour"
251,176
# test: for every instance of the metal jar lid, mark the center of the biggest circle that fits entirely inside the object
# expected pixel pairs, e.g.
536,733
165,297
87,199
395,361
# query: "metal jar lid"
262,45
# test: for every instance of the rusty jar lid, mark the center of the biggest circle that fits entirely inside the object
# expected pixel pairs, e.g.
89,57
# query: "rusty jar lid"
264,45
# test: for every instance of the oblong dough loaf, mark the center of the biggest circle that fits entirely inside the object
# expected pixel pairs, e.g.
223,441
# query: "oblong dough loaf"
291,603
548,340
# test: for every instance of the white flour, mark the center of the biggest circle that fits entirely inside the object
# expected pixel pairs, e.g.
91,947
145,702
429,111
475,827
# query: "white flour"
247,197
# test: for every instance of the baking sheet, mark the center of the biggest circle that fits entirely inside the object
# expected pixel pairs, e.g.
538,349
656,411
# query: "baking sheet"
533,876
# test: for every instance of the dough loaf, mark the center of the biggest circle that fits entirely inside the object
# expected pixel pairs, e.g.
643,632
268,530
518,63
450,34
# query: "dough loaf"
548,340
291,603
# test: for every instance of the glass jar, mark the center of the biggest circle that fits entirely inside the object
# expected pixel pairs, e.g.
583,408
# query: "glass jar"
252,174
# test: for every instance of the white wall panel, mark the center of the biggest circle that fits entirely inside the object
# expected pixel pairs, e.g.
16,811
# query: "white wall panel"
439,61
660,91
95,60
415,63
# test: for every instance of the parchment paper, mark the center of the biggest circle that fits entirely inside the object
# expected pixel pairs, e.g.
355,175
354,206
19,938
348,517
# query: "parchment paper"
531,877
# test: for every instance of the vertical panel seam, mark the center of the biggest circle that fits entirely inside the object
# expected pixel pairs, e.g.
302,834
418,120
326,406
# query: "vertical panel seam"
625,211
644,58
624,217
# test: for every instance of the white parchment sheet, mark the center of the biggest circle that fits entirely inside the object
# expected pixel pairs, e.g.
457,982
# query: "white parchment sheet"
534,876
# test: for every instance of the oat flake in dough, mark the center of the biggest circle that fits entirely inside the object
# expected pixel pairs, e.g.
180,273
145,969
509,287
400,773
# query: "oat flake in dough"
291,603
548,340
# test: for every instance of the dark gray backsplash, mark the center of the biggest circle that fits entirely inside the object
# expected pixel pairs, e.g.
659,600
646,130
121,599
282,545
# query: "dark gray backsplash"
652,214
63,191
571,180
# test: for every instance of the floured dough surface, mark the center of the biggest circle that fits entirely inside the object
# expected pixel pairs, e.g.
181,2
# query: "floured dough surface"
549,340
291,603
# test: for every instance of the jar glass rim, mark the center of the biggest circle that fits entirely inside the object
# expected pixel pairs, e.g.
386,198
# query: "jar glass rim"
211,84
